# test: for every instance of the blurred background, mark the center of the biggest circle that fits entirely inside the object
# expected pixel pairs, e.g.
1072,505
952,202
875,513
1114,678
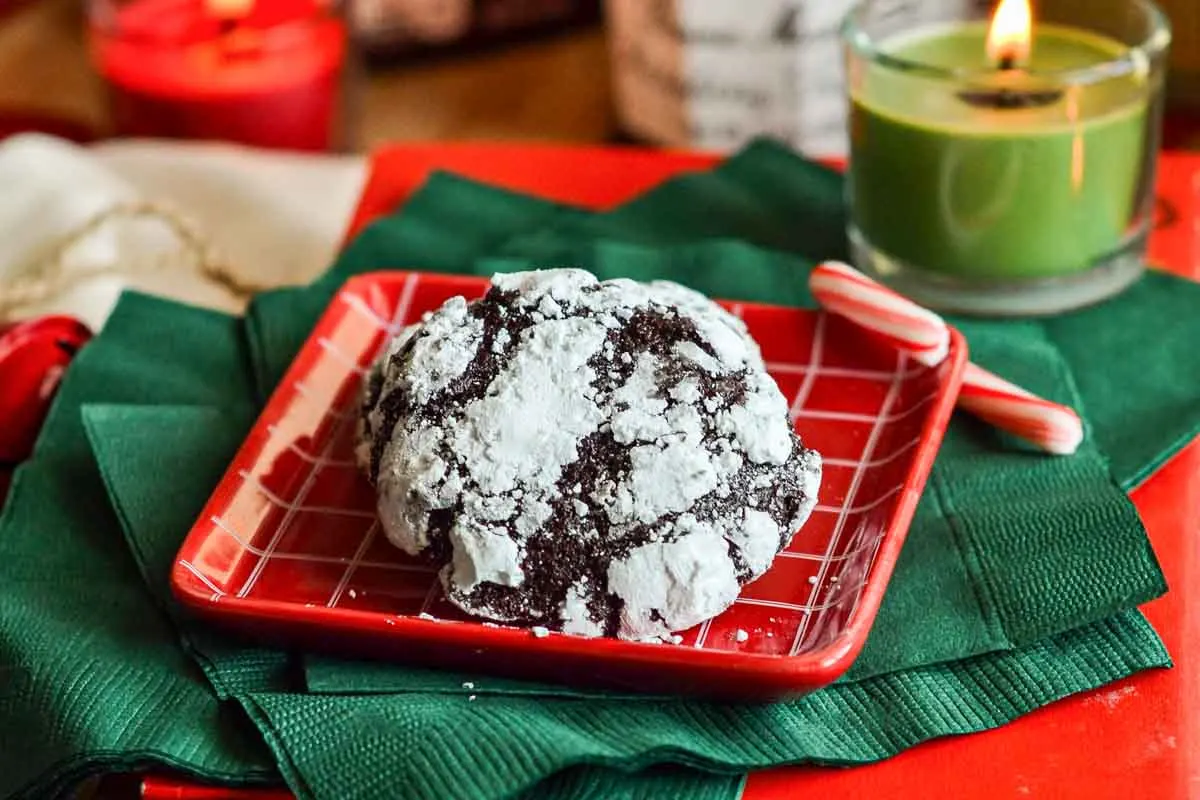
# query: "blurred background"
665,72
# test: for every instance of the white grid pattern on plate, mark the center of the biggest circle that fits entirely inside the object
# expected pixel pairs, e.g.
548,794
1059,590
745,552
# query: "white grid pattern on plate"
355,561
299,507
875,462
309,558
304,455
339,414
403,307
859,471
825,581
315,464
870,419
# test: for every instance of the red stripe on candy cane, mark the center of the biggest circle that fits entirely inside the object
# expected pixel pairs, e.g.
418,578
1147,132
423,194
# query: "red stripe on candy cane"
977,376
845,291
1055,428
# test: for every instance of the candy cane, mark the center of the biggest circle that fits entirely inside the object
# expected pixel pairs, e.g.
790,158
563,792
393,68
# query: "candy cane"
845,291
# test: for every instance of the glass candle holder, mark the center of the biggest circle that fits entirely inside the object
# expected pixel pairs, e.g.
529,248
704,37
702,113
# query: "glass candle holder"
268,73
995,173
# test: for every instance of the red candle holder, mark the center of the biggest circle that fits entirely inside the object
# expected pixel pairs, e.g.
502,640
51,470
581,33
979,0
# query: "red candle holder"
268,73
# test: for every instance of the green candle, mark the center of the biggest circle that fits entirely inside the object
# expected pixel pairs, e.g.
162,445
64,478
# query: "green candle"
1006,175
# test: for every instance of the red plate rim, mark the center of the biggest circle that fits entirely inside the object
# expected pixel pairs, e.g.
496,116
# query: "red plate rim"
807,670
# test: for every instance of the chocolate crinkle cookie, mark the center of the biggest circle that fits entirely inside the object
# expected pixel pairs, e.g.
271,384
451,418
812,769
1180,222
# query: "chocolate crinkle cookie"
601,458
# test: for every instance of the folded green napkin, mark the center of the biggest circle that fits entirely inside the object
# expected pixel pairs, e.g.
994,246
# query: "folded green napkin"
511,735
92,678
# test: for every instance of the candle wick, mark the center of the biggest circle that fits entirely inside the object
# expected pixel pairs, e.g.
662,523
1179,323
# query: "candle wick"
1008,63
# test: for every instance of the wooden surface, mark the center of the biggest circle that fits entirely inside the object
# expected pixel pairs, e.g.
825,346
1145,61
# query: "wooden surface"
554,88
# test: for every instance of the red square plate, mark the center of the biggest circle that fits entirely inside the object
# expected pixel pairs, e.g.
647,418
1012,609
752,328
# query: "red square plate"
289,547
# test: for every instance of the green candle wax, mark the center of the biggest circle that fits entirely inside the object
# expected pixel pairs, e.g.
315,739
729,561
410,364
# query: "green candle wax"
944,179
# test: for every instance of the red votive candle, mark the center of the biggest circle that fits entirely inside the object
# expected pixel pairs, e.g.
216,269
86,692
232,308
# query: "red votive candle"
268,73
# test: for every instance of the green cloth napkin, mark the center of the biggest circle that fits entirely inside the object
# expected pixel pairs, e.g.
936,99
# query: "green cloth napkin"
512,735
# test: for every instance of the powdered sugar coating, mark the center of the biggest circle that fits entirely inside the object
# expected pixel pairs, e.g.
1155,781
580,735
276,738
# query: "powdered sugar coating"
594,457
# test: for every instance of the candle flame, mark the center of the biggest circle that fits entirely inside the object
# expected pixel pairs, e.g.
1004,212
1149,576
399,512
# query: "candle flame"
229,9
1009,38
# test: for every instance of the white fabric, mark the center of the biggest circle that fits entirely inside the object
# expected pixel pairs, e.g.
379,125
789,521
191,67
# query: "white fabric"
277,218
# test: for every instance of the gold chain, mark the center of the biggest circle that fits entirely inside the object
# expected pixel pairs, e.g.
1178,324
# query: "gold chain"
51,276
